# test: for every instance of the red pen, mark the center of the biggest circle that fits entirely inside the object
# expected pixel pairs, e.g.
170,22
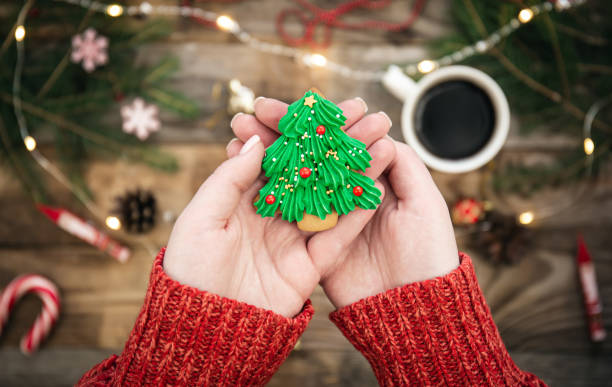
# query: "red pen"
592,302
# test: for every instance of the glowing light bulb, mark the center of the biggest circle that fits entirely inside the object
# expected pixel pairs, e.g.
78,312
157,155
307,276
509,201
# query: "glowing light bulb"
226,23
426,66
318,60
30,143
114,10
526,217
20,33
113,222
525,15
589,146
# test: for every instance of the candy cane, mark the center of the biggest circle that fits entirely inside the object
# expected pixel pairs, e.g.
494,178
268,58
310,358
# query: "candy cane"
49,296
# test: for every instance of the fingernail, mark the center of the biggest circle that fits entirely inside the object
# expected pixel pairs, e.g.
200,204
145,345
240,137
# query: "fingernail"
387,117
257,100
233,118
363,103
233,140
249,144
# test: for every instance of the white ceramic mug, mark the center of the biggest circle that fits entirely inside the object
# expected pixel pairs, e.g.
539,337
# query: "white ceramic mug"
410,92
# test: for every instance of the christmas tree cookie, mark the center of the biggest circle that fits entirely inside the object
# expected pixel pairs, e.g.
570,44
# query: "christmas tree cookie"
313,168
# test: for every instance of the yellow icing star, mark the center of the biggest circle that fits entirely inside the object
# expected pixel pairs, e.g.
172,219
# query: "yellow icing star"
309,101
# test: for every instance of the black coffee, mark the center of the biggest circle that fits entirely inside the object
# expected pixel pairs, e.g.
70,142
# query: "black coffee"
454,119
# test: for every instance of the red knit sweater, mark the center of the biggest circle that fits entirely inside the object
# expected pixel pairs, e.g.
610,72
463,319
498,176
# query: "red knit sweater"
436,332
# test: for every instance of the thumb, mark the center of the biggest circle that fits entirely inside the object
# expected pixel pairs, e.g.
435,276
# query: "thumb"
328,247
220,194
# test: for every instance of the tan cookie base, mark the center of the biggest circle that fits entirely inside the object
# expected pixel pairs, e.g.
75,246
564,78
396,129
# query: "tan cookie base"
315,224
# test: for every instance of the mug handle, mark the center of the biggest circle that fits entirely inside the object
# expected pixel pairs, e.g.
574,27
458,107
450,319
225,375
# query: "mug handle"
398,83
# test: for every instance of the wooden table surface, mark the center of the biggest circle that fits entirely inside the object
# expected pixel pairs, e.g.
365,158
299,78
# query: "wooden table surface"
536,302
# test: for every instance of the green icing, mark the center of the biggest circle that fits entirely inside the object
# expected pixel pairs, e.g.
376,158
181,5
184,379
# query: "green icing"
333,159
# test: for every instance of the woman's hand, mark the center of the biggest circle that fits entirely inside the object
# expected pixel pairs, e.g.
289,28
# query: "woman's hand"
409,239
219,244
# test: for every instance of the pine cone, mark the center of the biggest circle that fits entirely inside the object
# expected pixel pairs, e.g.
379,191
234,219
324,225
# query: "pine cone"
136,210
501,238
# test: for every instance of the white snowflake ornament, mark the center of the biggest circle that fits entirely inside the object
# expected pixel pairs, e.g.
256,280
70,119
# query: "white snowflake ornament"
140,119
90,49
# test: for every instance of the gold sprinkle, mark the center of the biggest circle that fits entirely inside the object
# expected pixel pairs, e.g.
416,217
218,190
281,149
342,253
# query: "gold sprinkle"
348,186
276,186
316,169
315,188
291,190
296,168
283,194
295,114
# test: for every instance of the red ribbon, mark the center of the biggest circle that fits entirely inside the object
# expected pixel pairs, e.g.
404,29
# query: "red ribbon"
330,18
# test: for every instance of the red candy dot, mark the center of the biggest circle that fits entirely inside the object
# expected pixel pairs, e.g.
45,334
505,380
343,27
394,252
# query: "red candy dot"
305,172
270,199
357,191
320,129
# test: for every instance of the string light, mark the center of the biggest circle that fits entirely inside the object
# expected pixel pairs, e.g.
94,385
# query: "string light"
525,15
589,146
20,33
30,143
426,66
226,23
114,10
315,60
113,222
526,217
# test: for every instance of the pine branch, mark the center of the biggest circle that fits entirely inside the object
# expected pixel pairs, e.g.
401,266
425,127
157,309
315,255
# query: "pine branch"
173,101
63,63
10,38
558,56
17,165
158,160
529,81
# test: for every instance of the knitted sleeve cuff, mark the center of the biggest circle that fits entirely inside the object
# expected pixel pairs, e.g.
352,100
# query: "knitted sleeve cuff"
185,336
438,331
